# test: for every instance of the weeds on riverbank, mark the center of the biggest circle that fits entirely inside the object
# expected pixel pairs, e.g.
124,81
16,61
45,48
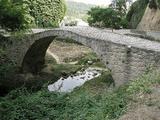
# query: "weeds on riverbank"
81,104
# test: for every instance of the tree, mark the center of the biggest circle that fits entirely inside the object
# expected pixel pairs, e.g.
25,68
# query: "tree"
22,14
120,6
104,17
13,15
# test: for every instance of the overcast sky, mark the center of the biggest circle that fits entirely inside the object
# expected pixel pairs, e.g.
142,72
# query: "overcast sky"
95,2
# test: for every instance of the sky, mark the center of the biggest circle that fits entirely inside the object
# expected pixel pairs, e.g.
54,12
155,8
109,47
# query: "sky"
95,2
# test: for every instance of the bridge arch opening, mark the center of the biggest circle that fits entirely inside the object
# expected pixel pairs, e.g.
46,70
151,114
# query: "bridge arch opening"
34,58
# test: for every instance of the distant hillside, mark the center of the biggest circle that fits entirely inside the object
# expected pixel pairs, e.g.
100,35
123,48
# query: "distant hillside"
78,10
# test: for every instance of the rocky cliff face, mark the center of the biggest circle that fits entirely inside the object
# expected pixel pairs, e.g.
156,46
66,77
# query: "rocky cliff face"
151,19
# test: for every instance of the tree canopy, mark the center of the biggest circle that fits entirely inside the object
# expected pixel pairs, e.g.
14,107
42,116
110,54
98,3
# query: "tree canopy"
22,14
46,13
112,17
13,15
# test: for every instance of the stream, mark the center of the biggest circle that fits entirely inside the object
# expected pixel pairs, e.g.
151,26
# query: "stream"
73,81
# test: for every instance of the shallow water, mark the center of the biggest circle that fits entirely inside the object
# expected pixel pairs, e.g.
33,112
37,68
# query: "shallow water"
68,84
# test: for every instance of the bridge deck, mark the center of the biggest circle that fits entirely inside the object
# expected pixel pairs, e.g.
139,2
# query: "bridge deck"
109,36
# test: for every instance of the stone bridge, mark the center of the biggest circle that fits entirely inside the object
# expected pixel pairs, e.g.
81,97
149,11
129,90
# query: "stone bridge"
126,57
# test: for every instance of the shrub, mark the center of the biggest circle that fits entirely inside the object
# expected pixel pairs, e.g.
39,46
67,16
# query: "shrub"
21,104
22,14
46,13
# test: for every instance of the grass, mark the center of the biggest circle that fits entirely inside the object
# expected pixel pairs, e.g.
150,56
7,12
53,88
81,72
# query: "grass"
11,79
95,100
95,62
92,101
144,83
78,105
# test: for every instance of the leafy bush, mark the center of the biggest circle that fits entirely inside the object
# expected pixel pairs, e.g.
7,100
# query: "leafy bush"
22,14
80,104
21,104
46,13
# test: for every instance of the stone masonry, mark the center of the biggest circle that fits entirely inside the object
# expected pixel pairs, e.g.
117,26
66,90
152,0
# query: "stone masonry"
126,57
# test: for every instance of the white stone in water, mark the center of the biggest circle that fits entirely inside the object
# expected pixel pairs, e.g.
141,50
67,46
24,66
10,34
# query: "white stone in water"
129,46
90,62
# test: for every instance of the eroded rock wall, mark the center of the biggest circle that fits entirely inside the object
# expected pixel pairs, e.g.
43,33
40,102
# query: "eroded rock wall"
150,20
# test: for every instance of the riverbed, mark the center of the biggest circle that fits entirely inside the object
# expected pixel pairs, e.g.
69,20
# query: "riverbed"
73,81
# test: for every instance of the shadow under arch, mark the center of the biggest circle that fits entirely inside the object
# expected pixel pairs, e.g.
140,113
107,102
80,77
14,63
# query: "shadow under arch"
34,59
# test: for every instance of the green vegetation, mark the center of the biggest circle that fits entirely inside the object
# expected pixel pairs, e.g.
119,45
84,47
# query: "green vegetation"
93,101
121,7
158,3
109,17
46,13
91,57
47,105
22,14
7,69
13,15
144,83
136,12
97,99
117,17
11,79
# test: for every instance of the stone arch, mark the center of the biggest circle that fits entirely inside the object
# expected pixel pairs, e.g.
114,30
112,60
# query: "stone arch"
125,56
111,54
34,59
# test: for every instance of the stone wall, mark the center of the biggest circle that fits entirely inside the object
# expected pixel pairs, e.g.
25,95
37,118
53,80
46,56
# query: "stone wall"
126,57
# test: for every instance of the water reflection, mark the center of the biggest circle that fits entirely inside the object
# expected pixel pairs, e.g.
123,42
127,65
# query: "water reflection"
68,84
